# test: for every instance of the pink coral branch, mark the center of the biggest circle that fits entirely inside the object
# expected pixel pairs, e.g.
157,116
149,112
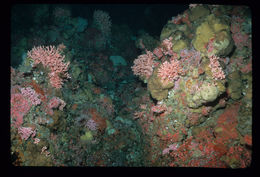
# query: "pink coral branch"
216,69
50,58
143,65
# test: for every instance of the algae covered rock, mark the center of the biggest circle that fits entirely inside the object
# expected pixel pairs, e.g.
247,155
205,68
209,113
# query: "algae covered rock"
177,35
156,88
147,41
204,33
198,12
248,92
213,37
76,72
118,61
168,30
235,85
209,92
194,101
87,137
223,43
179,45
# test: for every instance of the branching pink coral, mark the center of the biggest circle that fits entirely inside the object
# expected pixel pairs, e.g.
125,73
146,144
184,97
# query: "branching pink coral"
190,57
159,108
19,107
31,95
91,124
167,44
158,52
55,102
169,71
172,147
143,65
51,58
216,69
26,132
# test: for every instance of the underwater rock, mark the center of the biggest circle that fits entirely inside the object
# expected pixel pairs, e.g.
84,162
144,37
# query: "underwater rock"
156,88
235,85
80,24
223,44
198,12
177,35
213,37
58,121
203,34
146,41
209,92
117,61
76,72
168,30
179,45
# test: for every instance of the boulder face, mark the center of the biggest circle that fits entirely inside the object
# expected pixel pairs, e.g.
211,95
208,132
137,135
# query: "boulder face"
209,92
156,88
199,12
235,85
213,37
168,30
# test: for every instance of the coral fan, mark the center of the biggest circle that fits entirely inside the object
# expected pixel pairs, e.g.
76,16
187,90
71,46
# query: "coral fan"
50,58
216,69
19,107
31,95
169,71
26,132
143,65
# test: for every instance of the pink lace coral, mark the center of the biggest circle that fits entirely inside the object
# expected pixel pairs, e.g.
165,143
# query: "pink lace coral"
91,124
55,102
19,107
169,71
51,58
216,69
143,65
31,95
167,44
26,132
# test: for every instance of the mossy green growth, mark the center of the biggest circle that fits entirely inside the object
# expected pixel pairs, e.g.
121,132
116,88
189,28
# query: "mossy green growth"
76,71
148,41
204,33
179,45
213,29
248,92
168,30
221,85
235,85
156,88
87,93
198,12
177,35
209,92
88,136
223,44
58,121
